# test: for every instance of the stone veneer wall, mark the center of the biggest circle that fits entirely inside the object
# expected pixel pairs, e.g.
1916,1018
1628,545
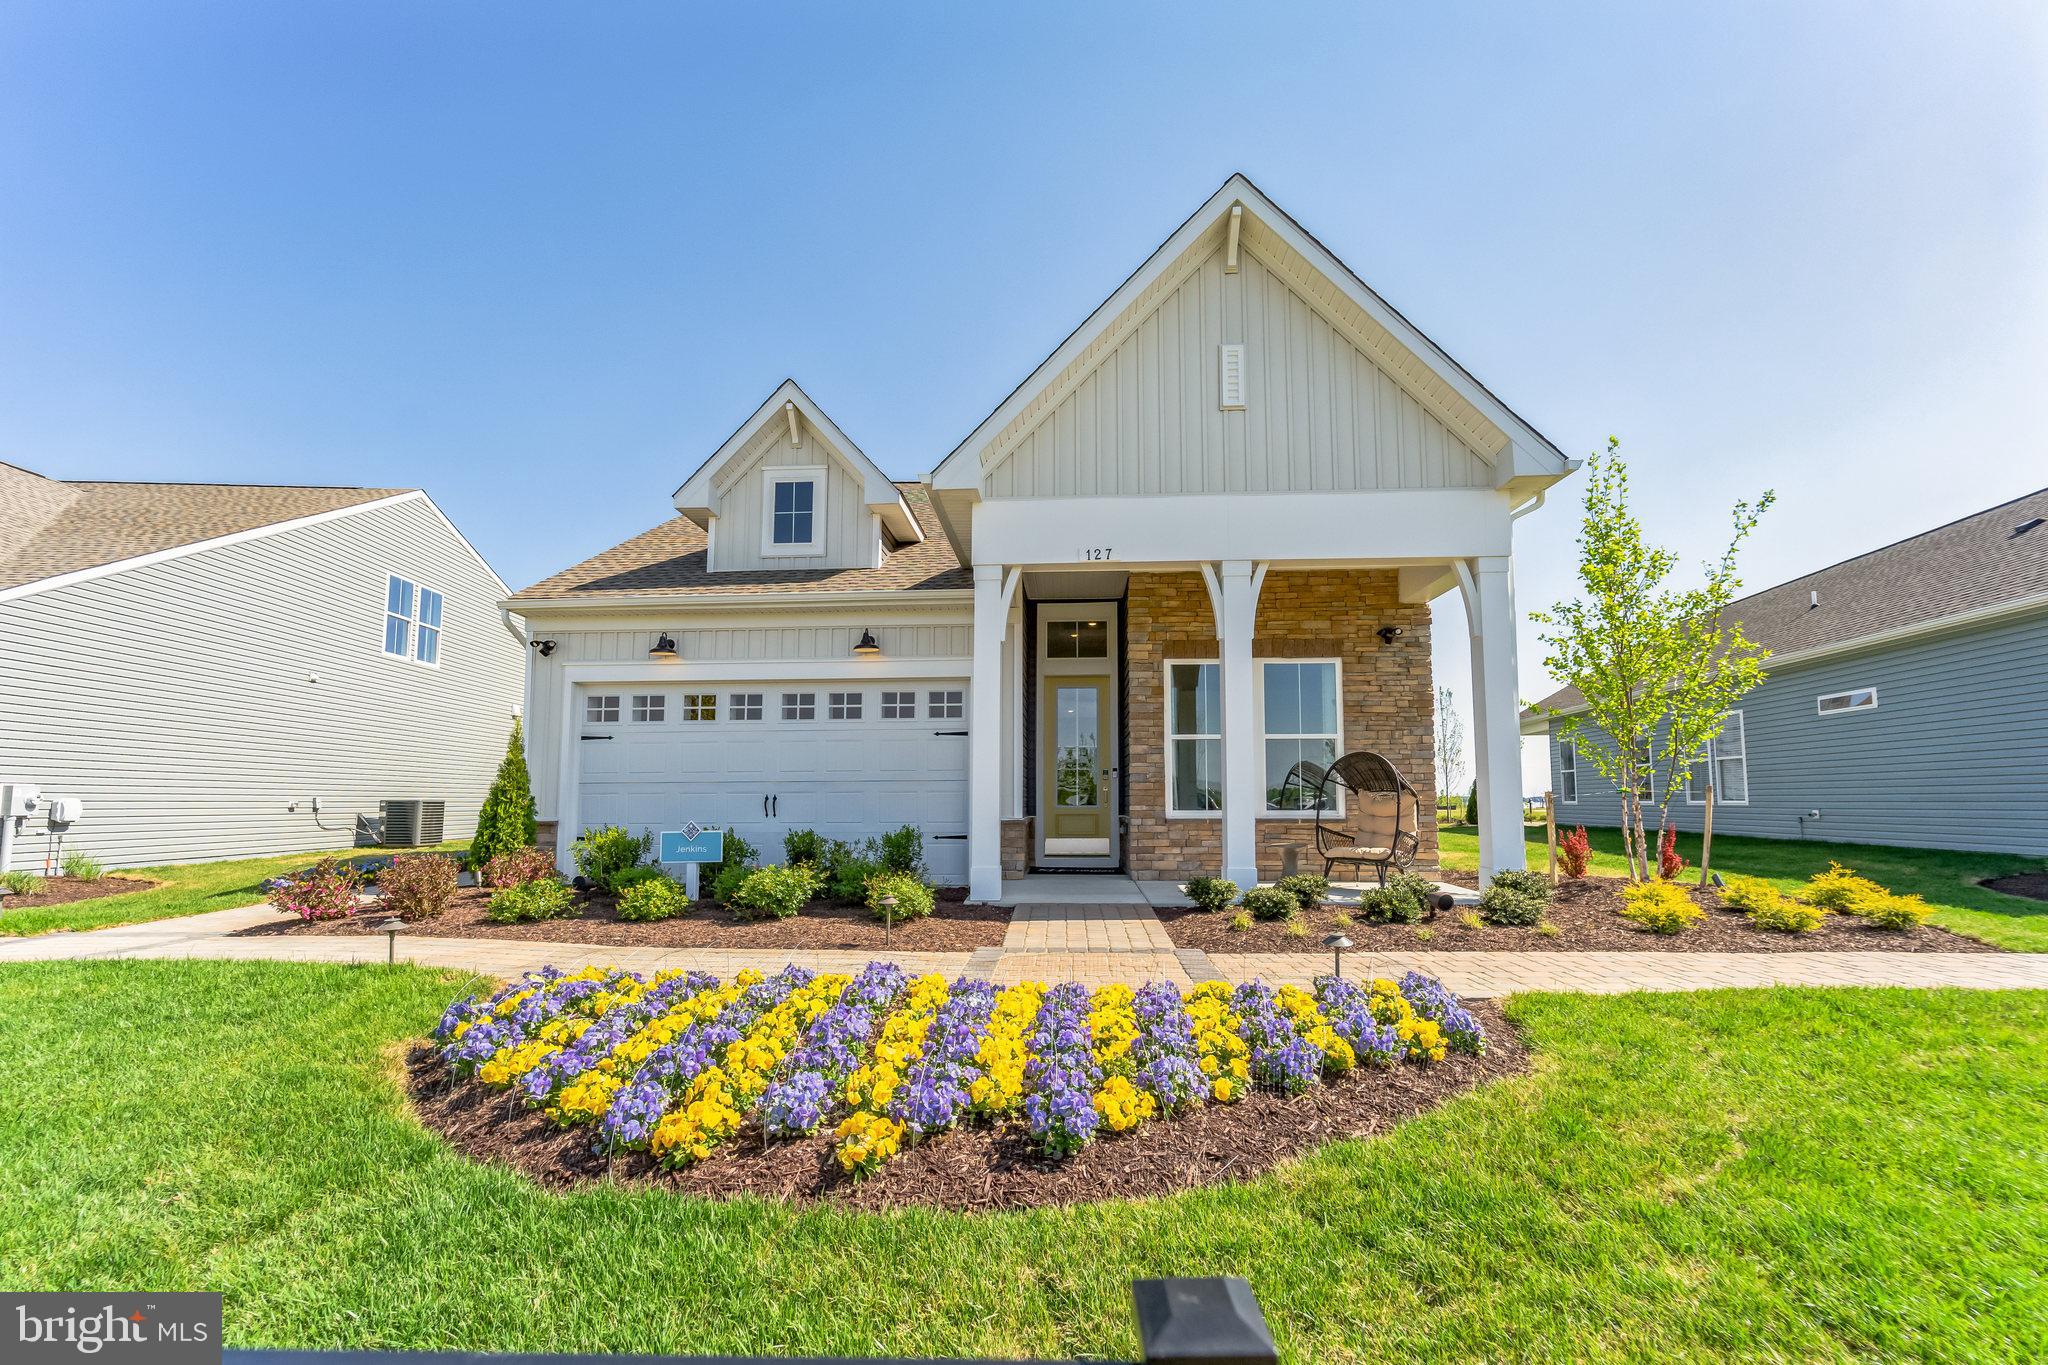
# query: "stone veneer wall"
1389,699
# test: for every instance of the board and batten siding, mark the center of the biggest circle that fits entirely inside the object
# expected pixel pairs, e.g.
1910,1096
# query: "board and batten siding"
189,702
1319,414
1954,756
849,529
811,639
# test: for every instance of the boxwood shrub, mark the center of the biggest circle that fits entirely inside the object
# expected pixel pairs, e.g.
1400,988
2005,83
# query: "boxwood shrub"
1210,893
655,898
1309,889
775,892
914,900
531,901
1270,903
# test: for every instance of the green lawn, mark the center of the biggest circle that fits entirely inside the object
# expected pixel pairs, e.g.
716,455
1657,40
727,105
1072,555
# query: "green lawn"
1797,1175
188,888
1947,880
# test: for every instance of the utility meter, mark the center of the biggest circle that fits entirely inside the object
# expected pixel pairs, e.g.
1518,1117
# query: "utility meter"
66,810
18,799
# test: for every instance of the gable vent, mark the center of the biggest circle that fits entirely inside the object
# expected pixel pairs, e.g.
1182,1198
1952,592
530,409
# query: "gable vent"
1230,375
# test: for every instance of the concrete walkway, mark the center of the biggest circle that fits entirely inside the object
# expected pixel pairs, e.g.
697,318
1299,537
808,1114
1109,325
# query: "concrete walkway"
1094,944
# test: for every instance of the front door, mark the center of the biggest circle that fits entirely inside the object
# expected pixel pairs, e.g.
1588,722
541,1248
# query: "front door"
1077,766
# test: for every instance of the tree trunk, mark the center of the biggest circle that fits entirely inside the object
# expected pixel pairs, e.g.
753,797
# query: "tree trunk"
1707,834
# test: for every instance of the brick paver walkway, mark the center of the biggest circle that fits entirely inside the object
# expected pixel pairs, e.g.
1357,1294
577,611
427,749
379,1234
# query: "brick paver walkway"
1093,944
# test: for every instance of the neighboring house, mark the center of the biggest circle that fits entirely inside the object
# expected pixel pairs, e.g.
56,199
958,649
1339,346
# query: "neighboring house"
1194,548
197,663
1906,703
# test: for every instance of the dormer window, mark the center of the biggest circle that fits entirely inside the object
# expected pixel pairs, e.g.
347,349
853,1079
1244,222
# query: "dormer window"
793,511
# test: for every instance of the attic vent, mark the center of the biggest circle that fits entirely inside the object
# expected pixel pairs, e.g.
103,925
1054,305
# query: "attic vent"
1230,375
2029,524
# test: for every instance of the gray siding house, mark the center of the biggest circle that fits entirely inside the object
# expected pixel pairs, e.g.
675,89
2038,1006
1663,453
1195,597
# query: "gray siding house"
196,663
1907,701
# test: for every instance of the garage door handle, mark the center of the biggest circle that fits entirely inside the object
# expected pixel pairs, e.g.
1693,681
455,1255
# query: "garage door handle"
764,808
777,800
949,732
588,738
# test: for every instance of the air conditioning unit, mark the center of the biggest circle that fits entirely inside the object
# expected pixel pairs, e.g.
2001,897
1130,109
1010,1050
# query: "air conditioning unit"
410,824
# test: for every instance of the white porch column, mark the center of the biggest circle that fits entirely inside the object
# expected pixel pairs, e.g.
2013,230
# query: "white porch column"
1489,593
1243,781
985,734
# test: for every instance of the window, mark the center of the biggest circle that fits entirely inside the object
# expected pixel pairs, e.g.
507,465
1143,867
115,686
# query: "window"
1729,753
700,706
842,705
1857,699
1301,732
412,621
600,710
746,706
1194,738
1077,639
1568,771
946,705
899,706
793,512
799,705
652,707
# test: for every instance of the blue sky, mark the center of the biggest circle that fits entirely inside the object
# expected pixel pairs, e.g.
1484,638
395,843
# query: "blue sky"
540,260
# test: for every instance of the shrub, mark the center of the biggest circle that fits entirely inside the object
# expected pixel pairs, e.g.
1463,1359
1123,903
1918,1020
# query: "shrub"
326,890
1424,933
727,883
1270,902
914,900
1405,899
804,848
1421,889
531,901
1784,914
1669,863
506,821
83,866
518,866
1575,853
1340,920
1839,888
775,892
736,852
1210,893
1471,920
21,883
603,854
1309,889
634,876
903,850
656,897
1887,911
1472,806
849,878
1240,922
1295,927
418,885
1509,905
1659,907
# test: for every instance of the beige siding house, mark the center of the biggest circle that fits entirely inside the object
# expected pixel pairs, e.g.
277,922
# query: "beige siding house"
195,664
1192,553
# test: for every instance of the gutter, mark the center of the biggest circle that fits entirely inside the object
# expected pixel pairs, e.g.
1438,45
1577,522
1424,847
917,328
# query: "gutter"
891,597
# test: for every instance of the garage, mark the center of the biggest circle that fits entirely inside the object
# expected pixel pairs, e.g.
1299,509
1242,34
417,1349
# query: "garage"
847,759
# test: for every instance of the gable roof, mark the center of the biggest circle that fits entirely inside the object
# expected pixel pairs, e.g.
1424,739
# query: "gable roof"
75,526
878,491
669,561
1980,563
1445,388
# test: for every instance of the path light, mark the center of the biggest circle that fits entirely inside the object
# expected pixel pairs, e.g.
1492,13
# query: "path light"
391,927
888,919
1337,943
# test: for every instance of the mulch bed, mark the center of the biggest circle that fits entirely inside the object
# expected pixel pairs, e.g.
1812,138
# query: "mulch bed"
1586,913
953,927
65,890
2032,885
976,1169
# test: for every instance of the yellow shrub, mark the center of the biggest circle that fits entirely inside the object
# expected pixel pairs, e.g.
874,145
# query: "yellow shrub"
1747,893
1886,911
1659,906
1839,888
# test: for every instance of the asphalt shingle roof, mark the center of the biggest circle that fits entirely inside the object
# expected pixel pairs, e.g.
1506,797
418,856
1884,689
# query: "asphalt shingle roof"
1981,561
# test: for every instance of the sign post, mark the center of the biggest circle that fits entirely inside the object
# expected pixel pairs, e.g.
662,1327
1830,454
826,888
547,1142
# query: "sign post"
692,846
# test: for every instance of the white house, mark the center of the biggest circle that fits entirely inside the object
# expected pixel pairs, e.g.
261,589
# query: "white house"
214,671
1196,546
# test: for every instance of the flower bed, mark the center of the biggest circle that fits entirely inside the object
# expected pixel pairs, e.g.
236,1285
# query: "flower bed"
826,1084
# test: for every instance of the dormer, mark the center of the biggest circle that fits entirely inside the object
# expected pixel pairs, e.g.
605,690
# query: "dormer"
788,490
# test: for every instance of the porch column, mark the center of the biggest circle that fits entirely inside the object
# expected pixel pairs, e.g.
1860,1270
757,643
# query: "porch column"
985,734
1243,782
1489,592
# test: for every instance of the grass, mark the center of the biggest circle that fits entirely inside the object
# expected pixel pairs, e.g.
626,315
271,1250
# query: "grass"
1948,880
1786,1174
188,889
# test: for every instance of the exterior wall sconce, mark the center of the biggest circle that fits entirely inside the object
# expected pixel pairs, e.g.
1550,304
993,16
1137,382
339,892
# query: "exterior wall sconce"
664,648
1389,634
867,648
546,647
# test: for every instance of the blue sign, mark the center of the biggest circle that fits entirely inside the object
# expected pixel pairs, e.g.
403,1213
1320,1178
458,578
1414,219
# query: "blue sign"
693,844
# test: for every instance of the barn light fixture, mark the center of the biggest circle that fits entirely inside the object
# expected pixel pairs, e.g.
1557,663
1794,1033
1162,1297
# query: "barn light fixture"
1389,634
664,648
867,648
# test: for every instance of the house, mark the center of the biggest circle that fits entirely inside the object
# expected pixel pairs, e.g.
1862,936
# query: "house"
1906,702
218,670
1195,547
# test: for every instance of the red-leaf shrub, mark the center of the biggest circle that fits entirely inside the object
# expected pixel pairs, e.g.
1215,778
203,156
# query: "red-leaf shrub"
418,885
1575,853
326,890
1669,864
518,867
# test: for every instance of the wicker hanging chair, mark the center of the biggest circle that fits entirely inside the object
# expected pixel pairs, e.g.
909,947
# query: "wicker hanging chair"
1380,824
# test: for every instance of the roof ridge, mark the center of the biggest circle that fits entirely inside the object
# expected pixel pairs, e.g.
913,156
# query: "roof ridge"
215,483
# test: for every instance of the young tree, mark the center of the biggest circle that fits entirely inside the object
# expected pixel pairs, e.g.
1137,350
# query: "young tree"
506,821
1653,663
1450,745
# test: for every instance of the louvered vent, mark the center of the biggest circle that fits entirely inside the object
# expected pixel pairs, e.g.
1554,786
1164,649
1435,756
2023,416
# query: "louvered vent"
412,824
1230,385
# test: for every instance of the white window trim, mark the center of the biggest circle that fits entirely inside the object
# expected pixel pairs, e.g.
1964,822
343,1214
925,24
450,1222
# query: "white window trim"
412,626
1568,746
1822,711
642,703
812,474
1167,736
1713,760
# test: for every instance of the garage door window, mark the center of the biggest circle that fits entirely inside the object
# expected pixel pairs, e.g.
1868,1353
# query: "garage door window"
746,706
650,708
700,706
947,705
799,705
899,706
601,710
843,705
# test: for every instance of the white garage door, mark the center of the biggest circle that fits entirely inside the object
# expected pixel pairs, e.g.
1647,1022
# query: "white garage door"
848,760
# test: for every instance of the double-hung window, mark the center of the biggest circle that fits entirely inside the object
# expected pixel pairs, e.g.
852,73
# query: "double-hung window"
1194,738
1728,753
1300,714
412,621
793,511
1568,771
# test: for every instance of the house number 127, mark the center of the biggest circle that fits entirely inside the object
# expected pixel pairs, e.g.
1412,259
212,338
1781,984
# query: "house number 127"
1097,552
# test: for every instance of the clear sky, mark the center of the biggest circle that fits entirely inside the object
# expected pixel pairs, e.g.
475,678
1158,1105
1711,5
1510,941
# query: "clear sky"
540,260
